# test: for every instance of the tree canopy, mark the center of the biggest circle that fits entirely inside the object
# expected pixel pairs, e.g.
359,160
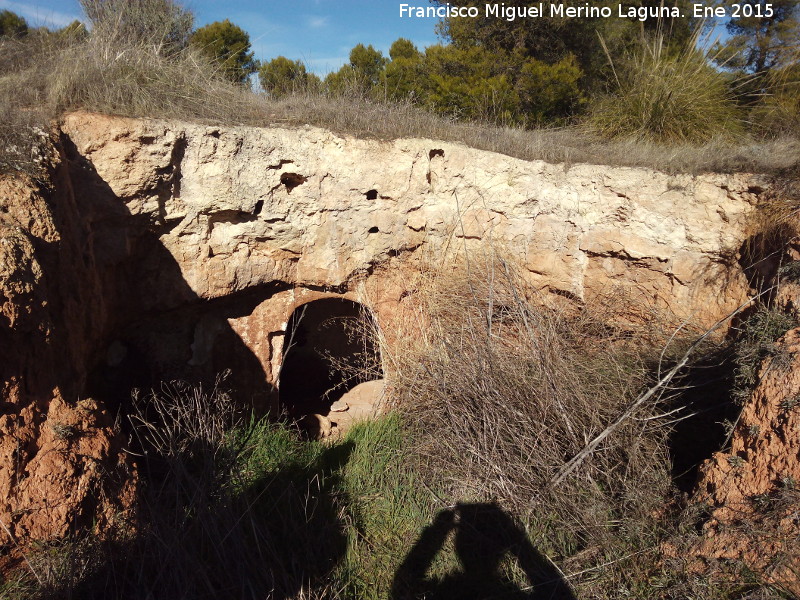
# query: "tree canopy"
362,75
553,39
229,46
281,76
765,36
11,24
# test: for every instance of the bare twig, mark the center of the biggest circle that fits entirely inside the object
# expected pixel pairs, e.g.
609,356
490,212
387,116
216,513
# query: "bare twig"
651,392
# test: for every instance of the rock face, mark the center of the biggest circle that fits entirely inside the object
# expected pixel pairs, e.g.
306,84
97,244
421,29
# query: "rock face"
62,467
361,403
164,250
754,488
244,207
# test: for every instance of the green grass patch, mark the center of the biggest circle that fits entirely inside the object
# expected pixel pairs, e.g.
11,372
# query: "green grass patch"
388,508
264,513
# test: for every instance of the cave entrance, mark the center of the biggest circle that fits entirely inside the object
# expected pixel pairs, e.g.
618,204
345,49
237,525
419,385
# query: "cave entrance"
328,349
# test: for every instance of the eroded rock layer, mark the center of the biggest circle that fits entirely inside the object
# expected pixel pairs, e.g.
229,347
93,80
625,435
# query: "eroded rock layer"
163,250
242,207
753,488
62,465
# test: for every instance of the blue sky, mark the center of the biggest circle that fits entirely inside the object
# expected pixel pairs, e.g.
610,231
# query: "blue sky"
318,32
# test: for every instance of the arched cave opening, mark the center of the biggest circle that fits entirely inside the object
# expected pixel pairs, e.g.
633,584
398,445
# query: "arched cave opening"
329,348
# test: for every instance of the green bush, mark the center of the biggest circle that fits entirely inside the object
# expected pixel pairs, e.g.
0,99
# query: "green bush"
281,77
463,84
549,93
669,98
11,24
363,76
405,73
227,45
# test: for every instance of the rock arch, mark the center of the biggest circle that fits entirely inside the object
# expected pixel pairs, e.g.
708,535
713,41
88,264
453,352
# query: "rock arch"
329,348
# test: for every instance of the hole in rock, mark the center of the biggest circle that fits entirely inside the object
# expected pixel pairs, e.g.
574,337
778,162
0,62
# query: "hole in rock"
292,180
328,349
436,152
707,390
373,230
762,256
372,195
257,208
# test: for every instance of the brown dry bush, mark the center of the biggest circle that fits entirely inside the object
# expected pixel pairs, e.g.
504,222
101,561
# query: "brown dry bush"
502,392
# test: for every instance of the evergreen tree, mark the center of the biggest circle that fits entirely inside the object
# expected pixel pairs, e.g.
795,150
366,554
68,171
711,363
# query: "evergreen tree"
282,76
229,46
405,74
11,24
463,82
363,75
549,93
556,63
765,36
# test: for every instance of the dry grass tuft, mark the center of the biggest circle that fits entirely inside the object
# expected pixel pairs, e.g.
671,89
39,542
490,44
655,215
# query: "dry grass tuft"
501,393
771,248
669,97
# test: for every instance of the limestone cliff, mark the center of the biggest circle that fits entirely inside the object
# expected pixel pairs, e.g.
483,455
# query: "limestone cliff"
159,250
242,207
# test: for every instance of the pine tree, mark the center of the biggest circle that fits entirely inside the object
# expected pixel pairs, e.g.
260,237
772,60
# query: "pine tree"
569,53
405,74
363,75
765,36
11,24
229,46
282,76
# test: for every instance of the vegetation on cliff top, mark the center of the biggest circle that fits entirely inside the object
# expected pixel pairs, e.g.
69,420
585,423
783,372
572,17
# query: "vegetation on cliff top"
617,98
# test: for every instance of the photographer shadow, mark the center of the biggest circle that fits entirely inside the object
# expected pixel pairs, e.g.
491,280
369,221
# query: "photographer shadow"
484,535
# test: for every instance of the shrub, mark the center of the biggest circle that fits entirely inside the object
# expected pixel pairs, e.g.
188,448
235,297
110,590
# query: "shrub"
463,83
281,77
362,77
163,25
668,97
778,111
11,24
550,92
756,340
